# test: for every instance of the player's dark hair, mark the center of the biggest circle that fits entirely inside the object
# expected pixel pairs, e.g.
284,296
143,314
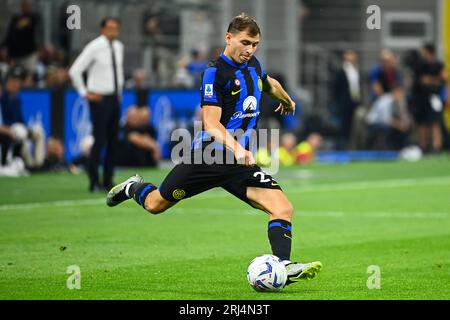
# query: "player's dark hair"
105,21
244,22
430,48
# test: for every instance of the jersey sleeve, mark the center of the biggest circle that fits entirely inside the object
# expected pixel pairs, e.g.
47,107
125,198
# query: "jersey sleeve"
263,75
262,71
212,89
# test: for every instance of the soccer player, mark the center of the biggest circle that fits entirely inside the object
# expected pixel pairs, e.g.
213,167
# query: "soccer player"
230,99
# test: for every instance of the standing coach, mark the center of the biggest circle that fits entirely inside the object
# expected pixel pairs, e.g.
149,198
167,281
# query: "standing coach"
102,58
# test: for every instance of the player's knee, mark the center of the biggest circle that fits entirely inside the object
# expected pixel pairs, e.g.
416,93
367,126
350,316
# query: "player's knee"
288,211
155,207
284,212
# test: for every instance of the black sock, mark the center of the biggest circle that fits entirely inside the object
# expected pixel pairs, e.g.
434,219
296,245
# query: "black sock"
280,238
139,191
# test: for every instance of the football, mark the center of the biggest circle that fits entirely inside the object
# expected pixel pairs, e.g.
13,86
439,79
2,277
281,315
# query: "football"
267,273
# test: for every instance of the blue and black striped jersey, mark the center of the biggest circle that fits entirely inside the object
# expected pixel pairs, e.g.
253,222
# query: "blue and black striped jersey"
237,89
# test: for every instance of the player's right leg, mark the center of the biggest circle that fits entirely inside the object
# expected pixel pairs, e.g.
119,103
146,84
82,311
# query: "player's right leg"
144,193
280,210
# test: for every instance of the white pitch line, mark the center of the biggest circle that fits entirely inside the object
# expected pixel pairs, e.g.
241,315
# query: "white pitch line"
62,203
211,210
393,183
332,214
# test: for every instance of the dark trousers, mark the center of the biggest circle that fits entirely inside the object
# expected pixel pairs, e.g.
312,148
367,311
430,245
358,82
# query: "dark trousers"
345,129
105,128
6,142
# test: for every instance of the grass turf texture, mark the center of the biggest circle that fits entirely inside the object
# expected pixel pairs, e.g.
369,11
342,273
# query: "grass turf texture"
394,214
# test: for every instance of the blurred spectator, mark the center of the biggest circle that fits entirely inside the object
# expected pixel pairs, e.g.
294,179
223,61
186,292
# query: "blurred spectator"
189,70
82,161
15,168
426,104
162,30
196,66
290,153
14,134
46,55
386,73
54,156
138,140
137,81
11,113
389,122
347,96
306,151
4,66
286,152
182,77
49,55
57,78
21,39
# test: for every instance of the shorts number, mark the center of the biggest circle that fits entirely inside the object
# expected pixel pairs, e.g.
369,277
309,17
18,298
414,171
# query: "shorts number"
262,180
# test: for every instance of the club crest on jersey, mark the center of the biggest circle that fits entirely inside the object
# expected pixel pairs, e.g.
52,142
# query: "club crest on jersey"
260,84
250,103
178,194
237,82
209,90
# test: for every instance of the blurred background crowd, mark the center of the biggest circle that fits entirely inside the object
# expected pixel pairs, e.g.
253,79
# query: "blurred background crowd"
356,88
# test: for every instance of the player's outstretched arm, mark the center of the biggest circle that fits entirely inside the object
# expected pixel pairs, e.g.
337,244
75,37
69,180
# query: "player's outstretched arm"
276,91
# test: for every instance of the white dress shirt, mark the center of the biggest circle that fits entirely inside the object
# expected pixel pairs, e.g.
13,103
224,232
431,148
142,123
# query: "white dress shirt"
353,79
96,59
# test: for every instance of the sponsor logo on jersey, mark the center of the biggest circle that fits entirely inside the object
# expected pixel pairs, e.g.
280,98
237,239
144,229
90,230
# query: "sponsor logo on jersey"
242,115
250,103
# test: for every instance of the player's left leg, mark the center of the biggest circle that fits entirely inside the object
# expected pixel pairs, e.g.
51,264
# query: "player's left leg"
144,193
280,210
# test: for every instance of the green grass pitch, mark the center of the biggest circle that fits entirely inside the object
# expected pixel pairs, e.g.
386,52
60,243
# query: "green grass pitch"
395,215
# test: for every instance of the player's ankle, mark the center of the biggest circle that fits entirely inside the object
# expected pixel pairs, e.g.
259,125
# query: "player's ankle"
127,189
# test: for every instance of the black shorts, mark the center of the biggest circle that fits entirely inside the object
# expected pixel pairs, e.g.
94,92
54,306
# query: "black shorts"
187,180
422,111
